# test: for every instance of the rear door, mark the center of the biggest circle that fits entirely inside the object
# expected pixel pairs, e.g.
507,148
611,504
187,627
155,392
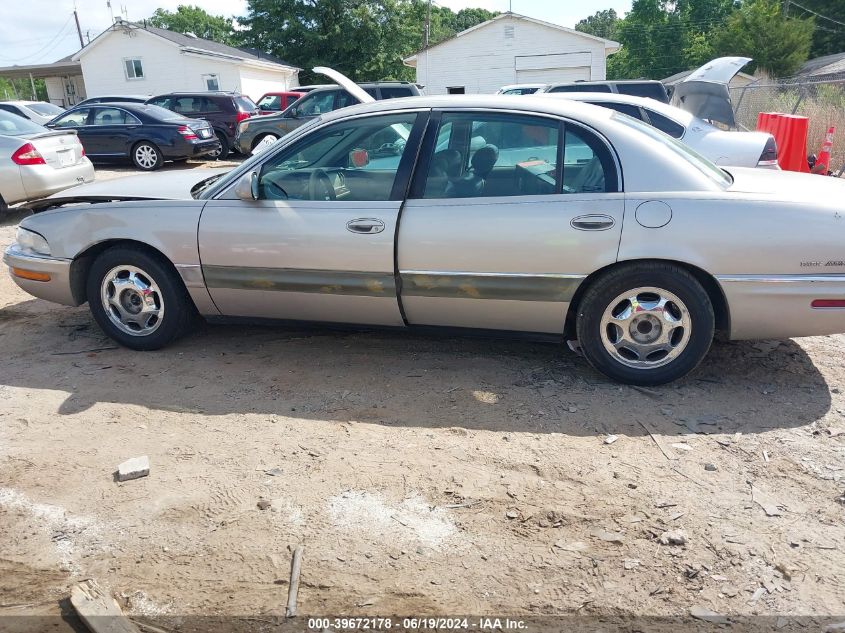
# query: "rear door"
318,244
508,214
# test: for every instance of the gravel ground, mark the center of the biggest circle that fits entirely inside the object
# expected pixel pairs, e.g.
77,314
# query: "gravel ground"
422,475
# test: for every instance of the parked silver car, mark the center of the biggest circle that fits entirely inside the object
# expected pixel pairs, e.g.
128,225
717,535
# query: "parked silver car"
35,161
538,215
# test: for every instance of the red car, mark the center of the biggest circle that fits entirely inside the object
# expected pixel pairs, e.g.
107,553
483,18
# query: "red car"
277,101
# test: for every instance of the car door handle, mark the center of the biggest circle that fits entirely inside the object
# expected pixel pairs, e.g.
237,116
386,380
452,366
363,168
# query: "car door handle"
592,222
365,225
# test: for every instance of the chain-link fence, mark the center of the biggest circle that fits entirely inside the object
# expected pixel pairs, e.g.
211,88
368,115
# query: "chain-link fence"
821,100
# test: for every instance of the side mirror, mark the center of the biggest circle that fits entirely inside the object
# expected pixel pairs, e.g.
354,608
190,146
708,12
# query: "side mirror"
293,113
247,187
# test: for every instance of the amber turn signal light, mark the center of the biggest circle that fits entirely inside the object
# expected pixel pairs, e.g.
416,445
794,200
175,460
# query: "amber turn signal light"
30,274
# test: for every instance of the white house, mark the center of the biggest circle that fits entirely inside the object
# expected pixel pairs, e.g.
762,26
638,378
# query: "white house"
509,49
133,58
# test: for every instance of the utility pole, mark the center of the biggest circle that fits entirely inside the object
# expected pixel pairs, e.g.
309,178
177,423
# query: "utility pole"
428,25
78,30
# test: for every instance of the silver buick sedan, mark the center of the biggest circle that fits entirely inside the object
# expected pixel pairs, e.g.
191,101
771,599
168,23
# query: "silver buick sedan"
497,213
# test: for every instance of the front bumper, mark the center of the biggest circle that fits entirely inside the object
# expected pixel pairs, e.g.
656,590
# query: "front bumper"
244,141
56,289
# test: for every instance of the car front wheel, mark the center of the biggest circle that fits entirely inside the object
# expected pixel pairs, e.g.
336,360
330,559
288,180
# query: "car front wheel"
645,324
137,299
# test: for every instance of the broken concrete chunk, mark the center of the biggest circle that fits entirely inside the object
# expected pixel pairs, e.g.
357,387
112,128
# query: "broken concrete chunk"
702,613
610,439
673,537
608,537
133,468
572,546
710,467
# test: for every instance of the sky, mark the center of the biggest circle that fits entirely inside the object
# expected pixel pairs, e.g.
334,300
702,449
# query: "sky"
42,31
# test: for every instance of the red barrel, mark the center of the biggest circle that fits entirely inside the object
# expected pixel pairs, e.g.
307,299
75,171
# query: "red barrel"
790,132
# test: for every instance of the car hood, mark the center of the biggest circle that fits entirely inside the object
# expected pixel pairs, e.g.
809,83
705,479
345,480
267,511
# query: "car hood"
167,185
705,93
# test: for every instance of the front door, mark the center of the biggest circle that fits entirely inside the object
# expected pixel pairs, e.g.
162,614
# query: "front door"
318,245
108,132
507,216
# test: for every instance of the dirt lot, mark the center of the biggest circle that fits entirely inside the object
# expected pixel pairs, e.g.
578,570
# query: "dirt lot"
422,475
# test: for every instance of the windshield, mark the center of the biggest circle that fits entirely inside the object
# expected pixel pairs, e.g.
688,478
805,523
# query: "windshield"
14,125
683,151
45,109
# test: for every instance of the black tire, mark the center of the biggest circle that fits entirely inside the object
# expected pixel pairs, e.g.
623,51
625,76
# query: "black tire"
146,156
179,311
225,148
261,137
601,296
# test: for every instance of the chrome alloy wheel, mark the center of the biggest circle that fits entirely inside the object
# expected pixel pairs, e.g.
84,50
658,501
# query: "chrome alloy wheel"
645,328
132,300
145,156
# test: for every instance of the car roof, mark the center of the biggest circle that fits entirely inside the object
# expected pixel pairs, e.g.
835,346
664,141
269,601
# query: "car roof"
200,93
676,114
586,113
21,102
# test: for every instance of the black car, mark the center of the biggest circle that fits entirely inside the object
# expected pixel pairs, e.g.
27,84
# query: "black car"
224,110
146,134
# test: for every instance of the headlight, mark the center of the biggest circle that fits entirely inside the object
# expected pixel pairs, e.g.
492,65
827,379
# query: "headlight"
243,126
31,242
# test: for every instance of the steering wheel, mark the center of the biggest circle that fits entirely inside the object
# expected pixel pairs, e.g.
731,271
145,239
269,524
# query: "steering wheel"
273,191
317,181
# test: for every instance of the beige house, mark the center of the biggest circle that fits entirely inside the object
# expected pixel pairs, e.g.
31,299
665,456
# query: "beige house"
510,49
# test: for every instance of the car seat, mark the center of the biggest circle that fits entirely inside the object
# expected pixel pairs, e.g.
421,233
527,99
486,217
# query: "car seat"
472,184
445,166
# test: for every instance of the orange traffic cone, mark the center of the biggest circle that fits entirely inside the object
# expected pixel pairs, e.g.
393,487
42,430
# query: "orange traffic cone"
823,161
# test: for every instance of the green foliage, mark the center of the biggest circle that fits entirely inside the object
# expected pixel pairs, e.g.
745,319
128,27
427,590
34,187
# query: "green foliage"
662,37
192,19
779,45
13,89
601,24
829,37
363,39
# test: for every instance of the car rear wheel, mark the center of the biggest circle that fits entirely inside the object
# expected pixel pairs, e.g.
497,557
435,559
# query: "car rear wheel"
147,156
224,150
645,324
137,299
260,138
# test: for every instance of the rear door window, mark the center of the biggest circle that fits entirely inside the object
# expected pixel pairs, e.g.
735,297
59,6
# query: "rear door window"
244,104
163,102
113,116
588,166
344,100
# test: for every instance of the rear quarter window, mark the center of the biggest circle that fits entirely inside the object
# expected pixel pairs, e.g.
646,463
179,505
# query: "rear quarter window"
245,104
396,92
651,90
582,88
665,124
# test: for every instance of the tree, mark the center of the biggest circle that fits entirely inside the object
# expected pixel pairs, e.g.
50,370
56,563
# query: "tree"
363,39
829,36
778,44
192,19
601,24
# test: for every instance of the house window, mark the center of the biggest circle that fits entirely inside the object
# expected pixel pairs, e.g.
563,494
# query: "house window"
211,82
133,68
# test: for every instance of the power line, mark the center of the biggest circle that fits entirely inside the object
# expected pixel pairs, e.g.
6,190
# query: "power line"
56,39
818,15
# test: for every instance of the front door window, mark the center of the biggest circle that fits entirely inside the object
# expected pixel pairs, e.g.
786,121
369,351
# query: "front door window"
351,161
